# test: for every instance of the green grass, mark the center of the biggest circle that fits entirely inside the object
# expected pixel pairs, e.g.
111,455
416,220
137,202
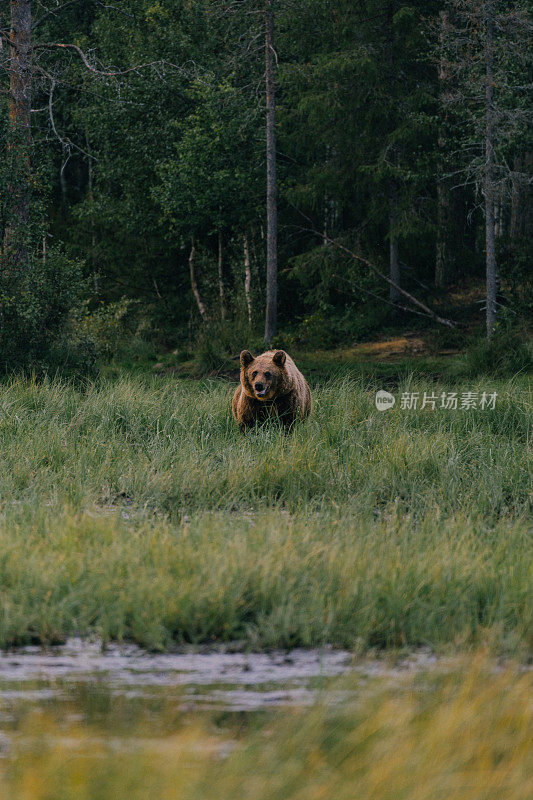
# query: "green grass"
134,508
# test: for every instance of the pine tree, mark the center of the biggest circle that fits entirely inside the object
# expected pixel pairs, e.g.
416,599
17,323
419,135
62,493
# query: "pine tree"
486,48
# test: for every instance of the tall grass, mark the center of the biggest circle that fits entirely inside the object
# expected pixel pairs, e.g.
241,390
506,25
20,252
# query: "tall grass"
462,736
173,447
135,509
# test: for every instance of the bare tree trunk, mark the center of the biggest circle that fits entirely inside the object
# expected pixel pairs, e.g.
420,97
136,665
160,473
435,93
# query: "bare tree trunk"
247,277
20,74
96,276
443,189
271,321
492,271
194,285
63,180
394,262
221,292
441,255
20,69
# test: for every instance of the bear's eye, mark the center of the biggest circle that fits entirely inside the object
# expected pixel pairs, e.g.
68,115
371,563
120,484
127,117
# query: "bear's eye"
267,375
254,375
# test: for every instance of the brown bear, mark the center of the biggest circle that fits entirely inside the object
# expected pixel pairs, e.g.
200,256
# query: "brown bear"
271,385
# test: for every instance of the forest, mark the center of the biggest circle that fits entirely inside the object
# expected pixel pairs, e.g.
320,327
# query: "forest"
300,573
194,176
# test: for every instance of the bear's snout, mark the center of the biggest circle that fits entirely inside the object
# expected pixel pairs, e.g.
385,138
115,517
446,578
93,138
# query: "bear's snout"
260,389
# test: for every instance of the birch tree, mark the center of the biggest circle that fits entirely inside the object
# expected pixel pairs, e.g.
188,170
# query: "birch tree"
208,189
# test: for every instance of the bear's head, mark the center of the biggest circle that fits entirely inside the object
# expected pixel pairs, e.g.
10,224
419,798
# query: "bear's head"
265,377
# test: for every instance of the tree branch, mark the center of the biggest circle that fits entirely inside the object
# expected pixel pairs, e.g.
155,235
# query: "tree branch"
52,12
95,70
381,299
65,143
441,320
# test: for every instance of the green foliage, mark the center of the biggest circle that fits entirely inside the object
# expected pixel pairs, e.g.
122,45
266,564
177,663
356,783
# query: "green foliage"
40,286
217,347
211,183
172,147
359,115
210,356
328,328
446,339
108,326
515,259
509,353
37,300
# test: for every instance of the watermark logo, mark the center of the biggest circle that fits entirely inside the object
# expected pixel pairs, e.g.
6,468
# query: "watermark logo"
449,401
384,400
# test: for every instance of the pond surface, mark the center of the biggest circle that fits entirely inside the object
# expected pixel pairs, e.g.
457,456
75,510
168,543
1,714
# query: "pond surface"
78,694
205,678
238,681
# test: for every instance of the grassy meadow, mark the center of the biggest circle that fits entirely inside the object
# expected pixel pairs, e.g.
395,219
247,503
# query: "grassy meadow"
133,508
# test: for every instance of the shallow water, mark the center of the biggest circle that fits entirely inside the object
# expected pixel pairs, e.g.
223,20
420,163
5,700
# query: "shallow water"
77,695
205,678
238,681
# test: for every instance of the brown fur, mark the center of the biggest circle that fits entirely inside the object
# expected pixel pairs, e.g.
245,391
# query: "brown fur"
286,393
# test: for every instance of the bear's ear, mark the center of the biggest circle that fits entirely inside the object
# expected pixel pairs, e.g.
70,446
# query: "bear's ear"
279,357
246,358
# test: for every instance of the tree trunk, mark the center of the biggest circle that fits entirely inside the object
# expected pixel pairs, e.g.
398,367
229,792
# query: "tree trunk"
63,180
492,271
96,276
247,277
20,74
441,255
271,322
394,262
221,292
194,285
20,71
443,189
